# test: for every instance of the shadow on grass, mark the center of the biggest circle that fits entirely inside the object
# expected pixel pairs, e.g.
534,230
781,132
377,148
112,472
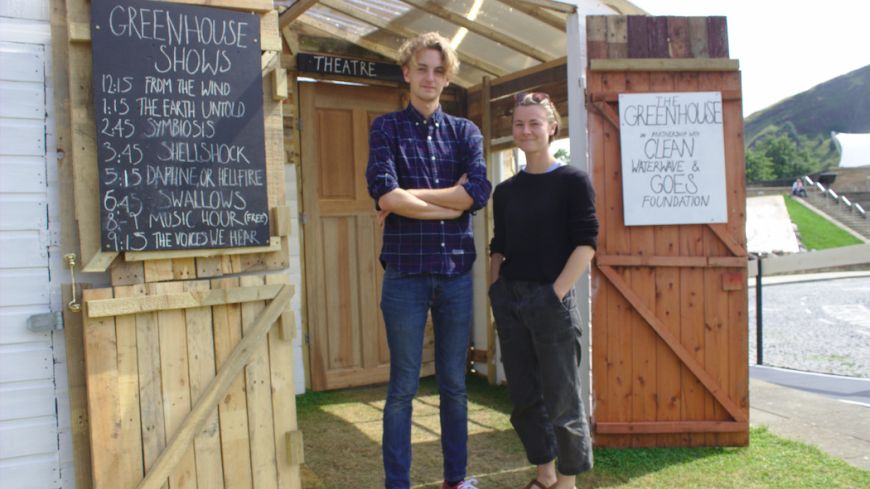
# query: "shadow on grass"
343,432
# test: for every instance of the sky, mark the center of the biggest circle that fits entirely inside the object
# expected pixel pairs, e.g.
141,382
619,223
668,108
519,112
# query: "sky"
784,47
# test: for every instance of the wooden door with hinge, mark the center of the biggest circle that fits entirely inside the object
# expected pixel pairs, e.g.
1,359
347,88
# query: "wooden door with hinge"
347,341
669,309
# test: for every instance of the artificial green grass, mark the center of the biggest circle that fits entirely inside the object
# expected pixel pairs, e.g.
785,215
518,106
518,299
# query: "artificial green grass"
342,450
817,233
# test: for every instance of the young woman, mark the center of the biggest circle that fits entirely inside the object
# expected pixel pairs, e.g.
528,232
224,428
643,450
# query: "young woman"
545,236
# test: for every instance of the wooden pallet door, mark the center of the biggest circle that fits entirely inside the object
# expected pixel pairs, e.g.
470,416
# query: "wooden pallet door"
669,325
342,237
189,385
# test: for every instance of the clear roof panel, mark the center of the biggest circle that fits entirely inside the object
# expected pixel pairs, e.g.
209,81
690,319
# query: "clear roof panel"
491,15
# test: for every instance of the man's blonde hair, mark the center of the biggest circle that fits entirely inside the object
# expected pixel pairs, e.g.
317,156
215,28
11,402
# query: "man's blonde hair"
430,40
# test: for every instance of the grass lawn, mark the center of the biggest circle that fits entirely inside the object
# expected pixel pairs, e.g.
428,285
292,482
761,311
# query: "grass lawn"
817,233
342,432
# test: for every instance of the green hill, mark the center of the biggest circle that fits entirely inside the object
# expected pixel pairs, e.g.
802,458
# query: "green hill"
806,121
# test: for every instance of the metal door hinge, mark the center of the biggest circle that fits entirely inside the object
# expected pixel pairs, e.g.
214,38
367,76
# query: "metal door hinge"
303,217
43,323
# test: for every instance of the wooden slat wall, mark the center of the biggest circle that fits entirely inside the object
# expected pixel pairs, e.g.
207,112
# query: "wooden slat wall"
691,278
140,389
639,36
162,361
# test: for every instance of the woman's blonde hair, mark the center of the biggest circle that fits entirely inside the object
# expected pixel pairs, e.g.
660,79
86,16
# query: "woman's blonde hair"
541,99
431,40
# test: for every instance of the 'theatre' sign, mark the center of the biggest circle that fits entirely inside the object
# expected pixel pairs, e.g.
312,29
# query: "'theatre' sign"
673,158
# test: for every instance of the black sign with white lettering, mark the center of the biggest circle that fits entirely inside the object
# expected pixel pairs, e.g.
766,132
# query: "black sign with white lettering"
358,68
178,95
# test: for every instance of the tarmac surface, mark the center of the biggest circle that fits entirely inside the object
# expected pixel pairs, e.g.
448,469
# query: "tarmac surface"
831,412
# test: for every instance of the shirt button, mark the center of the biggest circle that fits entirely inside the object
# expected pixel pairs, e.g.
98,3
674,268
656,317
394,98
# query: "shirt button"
442,222
442,245
436,124
436,180
430,138
433,158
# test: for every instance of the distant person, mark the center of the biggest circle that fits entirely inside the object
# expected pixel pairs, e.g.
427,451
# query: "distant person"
426,173
544,238
797,188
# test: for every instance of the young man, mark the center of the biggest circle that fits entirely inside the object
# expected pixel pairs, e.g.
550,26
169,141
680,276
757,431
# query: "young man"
426,173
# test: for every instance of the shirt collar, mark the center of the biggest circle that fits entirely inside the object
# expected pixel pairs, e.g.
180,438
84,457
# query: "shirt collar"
415,115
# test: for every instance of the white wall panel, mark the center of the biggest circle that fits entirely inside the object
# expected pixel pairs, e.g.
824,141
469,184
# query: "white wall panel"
23,363
22,212
22,137
24,287
22,174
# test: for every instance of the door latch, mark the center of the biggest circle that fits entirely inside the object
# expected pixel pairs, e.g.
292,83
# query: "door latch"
70,259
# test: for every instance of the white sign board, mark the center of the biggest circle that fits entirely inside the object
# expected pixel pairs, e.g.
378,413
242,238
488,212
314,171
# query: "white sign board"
673,158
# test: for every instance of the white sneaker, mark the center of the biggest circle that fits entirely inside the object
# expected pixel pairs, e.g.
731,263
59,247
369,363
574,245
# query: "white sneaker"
468,484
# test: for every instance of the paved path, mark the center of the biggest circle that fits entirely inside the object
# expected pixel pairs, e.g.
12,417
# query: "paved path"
815,326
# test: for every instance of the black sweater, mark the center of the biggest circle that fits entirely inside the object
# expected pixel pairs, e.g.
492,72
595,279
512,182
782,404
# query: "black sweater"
540,219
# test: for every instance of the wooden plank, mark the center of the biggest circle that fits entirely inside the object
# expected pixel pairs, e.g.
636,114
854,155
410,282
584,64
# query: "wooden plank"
200,355
698,37
181,300
638,38
101,363
617,37
657,36
217,388
678,37
596,36
175,381
279,84
124,273
183,268
651,261
270,32
158,270
232,409
283,392
130,439
695,366
600,290
261,425
274,245
644,398
717,37
297,9
664,64
667,307
150,392
295,448
620,330
672,427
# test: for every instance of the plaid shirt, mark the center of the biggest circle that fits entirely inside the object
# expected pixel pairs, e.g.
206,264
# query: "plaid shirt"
407,151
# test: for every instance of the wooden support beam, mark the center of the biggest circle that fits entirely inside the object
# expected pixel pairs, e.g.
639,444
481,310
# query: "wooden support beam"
722,233
295,448
664,64
671,261
279,84
180,442
300,7
563,7
183,300
673,342
537,12
381,23
274,245
486,131
100,261
651,427
477,28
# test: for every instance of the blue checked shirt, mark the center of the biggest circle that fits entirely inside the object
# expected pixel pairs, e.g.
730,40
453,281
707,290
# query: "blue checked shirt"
407,151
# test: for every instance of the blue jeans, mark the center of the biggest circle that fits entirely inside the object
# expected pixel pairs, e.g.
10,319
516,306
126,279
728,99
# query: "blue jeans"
405,302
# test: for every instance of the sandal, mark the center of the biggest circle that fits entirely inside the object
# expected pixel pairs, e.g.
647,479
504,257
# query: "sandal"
535,484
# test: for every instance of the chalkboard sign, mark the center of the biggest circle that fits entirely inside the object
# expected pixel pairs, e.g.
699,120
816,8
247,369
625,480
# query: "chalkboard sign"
673,158
178,95
339,65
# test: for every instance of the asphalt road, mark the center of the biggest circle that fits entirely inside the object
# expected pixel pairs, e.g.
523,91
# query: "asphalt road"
816,326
